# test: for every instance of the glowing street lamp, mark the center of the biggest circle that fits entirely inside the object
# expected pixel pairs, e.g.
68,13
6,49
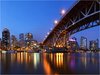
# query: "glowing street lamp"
63,12
46,36
55,22
48,33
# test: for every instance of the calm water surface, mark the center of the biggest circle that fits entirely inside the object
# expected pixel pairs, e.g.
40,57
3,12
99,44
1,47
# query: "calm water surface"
49,63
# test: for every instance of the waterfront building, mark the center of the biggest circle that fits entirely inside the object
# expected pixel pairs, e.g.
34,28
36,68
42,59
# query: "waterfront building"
28,40
94,45
83,43
21,36
34,44
14,42
6,39
29,36
73,44
22,41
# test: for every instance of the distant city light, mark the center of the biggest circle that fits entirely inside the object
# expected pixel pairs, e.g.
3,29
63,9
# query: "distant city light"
72,40
63,12
35,44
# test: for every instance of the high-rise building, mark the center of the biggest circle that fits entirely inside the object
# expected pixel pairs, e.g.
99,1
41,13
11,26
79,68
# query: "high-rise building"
6,39
29,36
94,45
83,43
21,36
34,44
21,41
73,44
14,42
28,40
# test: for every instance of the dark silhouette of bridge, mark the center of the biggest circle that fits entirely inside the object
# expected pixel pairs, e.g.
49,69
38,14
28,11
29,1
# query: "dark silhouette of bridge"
83,15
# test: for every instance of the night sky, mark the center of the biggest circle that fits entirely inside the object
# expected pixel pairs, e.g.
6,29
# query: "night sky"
36,17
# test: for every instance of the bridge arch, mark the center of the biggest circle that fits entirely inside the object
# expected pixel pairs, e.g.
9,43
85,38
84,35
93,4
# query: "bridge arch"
84,15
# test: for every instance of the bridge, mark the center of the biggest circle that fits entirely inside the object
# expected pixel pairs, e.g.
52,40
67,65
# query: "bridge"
82,15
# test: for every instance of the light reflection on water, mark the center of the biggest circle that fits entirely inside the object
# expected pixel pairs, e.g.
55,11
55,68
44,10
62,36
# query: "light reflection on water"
49,63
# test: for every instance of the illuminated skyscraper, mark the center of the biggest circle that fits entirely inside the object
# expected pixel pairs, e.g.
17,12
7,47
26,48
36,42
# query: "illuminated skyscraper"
21,36
6,39
14,42
73,44
94,45
22,41
28,40
83,43
29,36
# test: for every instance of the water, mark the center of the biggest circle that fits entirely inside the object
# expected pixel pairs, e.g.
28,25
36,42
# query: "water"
49,63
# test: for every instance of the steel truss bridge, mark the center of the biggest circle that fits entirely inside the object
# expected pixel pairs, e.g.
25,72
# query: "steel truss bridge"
83,15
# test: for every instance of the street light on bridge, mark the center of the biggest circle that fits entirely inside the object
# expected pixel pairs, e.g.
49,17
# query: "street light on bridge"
55,22
46,36
48,33
63,11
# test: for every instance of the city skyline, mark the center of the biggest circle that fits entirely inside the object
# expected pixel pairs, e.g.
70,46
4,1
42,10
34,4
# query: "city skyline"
49,37
13,13
22,38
